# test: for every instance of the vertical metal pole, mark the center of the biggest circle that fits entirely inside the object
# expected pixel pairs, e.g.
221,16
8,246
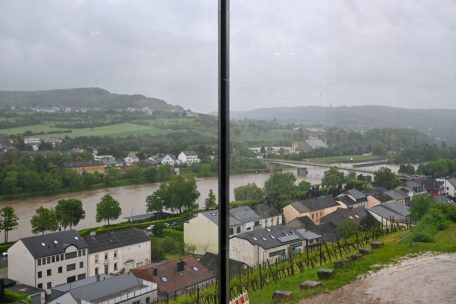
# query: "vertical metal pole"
224,150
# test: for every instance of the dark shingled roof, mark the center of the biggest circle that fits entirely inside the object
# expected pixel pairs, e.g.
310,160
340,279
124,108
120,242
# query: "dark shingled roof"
358,195
313,204
396,195
265,211
114,239
443,199
239,215
340,215
194,273
301,222
53,243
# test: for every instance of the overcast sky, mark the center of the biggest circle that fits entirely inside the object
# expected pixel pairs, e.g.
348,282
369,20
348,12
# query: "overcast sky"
284,52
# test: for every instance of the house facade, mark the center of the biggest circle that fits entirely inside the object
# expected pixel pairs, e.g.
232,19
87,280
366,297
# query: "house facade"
353,198
188,157
314,208
201,233
270,244
118,251
48,260
449,186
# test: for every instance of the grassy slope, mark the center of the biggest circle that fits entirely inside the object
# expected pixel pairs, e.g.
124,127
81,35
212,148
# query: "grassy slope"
445,242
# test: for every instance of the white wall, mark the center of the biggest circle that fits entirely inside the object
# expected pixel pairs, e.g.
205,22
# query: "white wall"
21,264
202,233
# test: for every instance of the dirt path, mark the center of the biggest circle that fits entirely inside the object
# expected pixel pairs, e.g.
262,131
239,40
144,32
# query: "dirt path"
427,279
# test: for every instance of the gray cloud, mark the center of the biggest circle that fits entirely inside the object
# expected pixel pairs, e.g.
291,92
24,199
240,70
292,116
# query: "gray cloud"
284,53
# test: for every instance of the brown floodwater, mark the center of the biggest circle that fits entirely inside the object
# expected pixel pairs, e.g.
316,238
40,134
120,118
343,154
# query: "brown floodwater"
132,199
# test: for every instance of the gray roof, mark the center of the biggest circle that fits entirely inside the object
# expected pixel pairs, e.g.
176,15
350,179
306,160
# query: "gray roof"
301,222
26,290
265,211
114,239
275,236
413,185
391,210
398,208
443,199
79,283
107,289
53,243
307,234
315,204
396,195
358,195
239,215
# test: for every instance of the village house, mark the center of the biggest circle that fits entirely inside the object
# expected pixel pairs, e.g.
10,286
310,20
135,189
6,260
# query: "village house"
314,208
390,213
353,198
44,261
188,157
434,187
417,188
117,251
86,167
270,244
130,160
176,276
200,232
125,288
377,198
162,159
449,186
342,214
398,196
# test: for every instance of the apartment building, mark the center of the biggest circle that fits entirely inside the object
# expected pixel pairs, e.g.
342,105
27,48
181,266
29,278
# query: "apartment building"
44,261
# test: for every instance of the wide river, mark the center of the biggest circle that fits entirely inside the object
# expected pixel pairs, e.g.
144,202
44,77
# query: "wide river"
132,198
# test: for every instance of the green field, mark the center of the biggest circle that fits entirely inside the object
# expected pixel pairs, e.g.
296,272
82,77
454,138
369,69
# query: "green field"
116,130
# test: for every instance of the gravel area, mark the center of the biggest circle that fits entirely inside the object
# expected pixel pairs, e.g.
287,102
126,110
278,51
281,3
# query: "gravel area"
424,279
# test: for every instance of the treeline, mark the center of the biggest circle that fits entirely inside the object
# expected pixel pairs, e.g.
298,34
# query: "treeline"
43,174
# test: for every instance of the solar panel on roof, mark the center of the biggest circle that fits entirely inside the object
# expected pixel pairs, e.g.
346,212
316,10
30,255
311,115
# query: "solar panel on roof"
288,238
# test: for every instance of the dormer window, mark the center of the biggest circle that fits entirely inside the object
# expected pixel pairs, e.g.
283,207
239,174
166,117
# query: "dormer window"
164,279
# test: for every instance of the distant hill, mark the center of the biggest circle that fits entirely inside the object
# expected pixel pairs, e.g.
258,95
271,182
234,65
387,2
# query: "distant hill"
83,98
435,122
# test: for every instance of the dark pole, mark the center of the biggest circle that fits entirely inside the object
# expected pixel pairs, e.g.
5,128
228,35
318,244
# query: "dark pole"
224,150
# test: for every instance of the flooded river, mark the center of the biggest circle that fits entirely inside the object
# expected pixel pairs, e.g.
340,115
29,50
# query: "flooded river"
132,198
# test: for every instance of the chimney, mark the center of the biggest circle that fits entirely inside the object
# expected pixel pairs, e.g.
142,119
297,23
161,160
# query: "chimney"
180,266
155,271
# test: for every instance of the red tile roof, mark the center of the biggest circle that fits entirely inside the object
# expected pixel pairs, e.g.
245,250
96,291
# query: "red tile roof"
194,273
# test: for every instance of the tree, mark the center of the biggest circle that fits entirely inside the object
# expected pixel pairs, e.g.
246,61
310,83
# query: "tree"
407,169
179,194
210,201
44,220
279,189
108,209
347,228
420,205
250,192
385,178
333,178
154,203
8,220
69,213
303,189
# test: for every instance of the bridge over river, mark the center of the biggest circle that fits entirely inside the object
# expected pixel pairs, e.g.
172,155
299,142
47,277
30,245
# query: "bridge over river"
347,167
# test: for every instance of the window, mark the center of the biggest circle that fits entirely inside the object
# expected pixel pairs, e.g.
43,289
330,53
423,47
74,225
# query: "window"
137,302
57,258
81,264
81,276
53,259
60,269
106,256
106,269
62,257
49,272
257,223
70,255
40,285
148,300
96,258
40,274
49,285
71,267
71,279
115,253
48,260
96,270
115,266
39,262
277,253
238,229
44,261
231,231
